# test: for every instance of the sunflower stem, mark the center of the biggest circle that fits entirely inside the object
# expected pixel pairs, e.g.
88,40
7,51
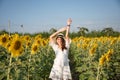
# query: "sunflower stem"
9,67
98,71
16,69
29,66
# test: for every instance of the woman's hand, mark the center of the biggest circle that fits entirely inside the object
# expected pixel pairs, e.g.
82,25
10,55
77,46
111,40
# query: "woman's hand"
69,21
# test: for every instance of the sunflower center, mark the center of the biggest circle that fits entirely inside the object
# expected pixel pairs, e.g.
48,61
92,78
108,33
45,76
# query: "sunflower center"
27,38
17,45
38,41
8,45
4,39
28,44
34,48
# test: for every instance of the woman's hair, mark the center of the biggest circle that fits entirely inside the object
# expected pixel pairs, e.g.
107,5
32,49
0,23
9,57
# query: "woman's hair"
63,42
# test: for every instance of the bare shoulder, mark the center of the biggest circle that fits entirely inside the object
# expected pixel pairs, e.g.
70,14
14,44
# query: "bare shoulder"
68,40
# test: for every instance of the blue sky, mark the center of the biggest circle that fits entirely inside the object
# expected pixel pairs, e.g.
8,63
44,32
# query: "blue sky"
42,15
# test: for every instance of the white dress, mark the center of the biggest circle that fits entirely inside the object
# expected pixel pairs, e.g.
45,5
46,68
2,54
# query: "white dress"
61,68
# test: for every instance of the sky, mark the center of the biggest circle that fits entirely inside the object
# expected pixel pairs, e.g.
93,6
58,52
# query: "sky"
42,15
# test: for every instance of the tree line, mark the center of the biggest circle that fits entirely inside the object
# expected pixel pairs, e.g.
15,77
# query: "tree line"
82,31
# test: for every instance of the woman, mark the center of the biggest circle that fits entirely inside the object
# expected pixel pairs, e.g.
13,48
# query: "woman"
61,69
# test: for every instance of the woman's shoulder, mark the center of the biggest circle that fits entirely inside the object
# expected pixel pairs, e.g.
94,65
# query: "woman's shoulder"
68,40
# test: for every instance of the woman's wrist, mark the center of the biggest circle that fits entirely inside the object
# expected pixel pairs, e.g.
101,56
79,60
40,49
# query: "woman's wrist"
68,25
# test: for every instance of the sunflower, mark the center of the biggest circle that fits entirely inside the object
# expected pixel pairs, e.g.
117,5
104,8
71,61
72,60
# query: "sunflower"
16,48
4,40
8,46
78,45
15,36
110,51
93,49
108,57
108,54
38,41
38,36
102,60
28,44
26,40
44,43
27,37
84,46
34,48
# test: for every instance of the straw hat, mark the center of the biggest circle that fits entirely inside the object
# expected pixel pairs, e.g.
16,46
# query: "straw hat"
60,35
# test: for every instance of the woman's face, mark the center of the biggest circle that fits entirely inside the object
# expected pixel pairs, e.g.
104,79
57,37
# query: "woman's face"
59,41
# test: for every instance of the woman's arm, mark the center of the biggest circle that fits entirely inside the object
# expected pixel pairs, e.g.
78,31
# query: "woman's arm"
68,28
54,34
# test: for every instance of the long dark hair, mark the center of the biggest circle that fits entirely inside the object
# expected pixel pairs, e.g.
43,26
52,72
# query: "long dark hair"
63,42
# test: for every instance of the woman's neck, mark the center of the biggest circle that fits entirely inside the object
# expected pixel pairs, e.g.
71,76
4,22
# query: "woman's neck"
60,46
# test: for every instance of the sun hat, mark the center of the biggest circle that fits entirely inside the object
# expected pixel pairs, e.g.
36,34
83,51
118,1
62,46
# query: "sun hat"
60,35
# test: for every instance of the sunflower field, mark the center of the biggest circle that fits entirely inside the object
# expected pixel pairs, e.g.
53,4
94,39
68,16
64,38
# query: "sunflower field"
31,58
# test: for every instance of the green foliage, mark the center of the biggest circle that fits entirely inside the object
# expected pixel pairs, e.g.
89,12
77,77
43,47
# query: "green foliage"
83,66
38,66
81,32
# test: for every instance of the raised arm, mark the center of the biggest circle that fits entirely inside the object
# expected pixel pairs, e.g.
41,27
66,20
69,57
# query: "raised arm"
69,21
54,34
66,28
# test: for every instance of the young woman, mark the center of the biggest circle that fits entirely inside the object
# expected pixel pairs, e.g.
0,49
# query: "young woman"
61,68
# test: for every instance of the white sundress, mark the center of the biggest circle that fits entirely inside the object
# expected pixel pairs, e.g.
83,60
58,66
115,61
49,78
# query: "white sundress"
61,68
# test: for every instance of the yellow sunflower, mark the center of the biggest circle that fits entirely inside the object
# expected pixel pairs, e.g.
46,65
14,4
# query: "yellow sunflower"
44,43
102,60
15,36
93,49
16,48
78,45
34,48
109,54
4,40
8,46
38,41
38,36
27,37
84,46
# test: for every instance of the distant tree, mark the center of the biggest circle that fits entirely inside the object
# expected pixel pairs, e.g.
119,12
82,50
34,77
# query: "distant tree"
3,32
108,31
73,35
52,30
82,31
93,33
